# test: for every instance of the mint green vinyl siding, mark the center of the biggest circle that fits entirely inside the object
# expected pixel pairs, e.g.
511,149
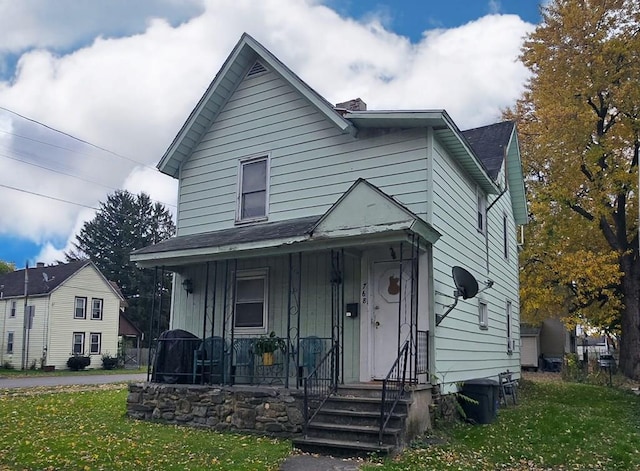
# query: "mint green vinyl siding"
311,162
315,300
463,349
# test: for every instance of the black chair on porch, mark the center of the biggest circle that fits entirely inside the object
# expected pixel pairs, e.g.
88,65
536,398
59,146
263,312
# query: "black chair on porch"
208,361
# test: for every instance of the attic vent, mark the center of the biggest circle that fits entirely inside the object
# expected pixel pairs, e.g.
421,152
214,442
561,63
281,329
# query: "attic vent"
256,69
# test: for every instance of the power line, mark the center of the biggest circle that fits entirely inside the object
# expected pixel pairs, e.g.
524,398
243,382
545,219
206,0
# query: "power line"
47,196
70,136
70,150
56,171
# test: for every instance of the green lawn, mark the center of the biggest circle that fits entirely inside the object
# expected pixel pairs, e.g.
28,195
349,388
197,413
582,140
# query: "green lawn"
557,426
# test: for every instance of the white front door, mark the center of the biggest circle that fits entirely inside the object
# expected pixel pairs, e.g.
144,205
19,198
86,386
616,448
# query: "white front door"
391,301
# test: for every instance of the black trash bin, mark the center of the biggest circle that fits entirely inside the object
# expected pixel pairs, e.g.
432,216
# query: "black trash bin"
485,392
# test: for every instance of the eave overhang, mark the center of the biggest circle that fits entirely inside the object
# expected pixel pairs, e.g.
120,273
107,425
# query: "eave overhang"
381,220
445,131
233,71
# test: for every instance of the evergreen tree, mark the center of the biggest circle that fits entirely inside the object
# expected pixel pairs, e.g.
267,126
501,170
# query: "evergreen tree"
124,223
579,121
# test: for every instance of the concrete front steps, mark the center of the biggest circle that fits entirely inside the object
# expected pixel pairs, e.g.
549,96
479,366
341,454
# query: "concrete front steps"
349,423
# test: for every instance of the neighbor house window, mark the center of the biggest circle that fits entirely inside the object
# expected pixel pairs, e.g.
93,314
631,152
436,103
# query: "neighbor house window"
251,300
96,309
10,337
80,311
78,343
483,315
253,178
14,307
510,340
482,211
95,340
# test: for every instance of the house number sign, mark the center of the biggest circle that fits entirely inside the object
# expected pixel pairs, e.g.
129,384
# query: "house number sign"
364,293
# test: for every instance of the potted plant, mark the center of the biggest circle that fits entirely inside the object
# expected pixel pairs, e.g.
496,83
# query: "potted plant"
265,346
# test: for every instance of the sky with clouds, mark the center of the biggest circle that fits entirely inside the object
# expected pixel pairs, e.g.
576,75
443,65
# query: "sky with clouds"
92,93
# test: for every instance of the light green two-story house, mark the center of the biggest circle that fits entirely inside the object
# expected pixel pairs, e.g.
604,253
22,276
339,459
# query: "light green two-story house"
336,229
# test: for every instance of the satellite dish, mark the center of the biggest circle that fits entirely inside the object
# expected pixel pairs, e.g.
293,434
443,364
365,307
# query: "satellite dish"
465,282
45,277
466,286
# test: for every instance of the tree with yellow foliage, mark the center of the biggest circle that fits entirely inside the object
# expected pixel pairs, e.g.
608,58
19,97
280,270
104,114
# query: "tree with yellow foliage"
579,123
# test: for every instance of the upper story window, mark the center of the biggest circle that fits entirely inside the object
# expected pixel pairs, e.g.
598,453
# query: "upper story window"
96,309
253,194
14,307
80,308
505,236
251,301
482,212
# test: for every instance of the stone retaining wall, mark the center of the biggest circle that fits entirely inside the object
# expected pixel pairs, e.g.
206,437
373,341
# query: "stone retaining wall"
254,409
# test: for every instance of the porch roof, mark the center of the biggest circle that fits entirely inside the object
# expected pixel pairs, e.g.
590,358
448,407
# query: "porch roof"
349,222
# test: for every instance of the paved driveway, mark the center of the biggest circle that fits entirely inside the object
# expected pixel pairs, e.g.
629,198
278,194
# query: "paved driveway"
34,381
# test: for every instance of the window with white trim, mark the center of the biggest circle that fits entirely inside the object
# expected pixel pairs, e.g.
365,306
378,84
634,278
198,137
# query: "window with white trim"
483,314
10,341
253,194
96,309
251,306
481,211
78,343
505,236
95,343
510,340
80,308
14,308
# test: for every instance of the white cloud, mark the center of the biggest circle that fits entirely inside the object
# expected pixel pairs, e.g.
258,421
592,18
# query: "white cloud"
131,94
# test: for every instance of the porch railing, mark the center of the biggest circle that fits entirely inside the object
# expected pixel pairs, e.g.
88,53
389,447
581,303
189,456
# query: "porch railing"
393,388
422,357
319,385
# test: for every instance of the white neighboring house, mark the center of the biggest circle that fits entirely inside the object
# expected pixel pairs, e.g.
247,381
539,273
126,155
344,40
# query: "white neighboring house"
70,308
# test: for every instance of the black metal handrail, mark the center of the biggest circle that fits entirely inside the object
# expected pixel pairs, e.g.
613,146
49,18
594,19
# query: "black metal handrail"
319,384
393,388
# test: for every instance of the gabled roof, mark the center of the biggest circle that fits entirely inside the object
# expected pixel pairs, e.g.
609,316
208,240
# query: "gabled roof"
363,214
497,144
43,280
242,58
366,209
490,143
444,129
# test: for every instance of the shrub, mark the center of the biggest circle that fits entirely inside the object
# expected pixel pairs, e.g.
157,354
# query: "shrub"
78,362
109,362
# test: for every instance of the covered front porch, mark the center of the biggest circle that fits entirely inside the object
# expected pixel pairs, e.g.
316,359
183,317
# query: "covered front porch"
302,307
343,293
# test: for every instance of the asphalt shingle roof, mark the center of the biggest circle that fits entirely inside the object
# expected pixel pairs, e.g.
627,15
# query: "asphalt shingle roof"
235,235
489,144
12,284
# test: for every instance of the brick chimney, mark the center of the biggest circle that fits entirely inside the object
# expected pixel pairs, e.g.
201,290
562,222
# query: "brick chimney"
40,265
352,105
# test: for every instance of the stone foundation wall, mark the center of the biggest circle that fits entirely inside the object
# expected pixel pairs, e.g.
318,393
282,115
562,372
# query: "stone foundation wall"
261,410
